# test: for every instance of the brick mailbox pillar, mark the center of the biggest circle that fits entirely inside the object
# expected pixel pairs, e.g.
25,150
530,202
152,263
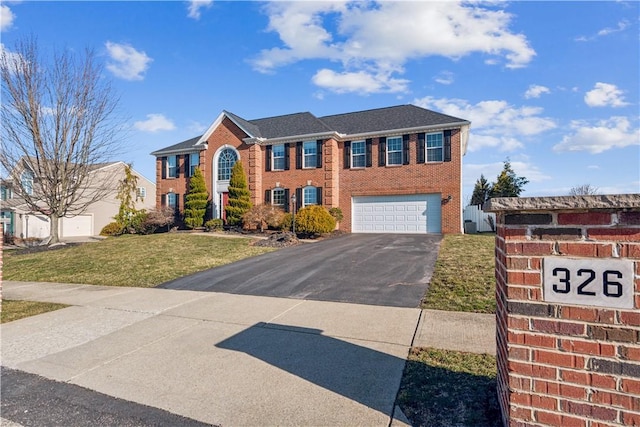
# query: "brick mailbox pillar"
568,318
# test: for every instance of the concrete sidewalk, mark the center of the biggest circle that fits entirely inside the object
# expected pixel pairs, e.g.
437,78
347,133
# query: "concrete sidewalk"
232,359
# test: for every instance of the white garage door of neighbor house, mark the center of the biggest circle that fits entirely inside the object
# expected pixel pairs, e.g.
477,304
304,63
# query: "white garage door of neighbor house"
415,214
36,226
77,226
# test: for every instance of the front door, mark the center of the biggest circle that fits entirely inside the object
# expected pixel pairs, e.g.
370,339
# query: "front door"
224,200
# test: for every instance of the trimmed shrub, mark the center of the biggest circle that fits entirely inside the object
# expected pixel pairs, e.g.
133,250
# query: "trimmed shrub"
197,200
285,222
213,225
239,195
314,220
336,213
156,218
111,229
262,216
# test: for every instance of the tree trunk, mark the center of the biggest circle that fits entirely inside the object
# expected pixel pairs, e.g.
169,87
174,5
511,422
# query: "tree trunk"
53,229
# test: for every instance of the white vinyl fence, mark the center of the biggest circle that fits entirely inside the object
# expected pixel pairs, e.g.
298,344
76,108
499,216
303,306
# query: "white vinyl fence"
483,221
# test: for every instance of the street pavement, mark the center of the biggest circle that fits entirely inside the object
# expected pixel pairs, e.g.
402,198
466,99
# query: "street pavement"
219,358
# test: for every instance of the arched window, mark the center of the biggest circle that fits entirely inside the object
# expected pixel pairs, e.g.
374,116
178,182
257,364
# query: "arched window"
226,160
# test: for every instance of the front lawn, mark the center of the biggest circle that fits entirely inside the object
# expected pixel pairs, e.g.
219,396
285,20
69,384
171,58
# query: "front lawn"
129,260
464,278
15,310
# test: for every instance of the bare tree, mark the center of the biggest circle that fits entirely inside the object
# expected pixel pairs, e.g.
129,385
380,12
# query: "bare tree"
59,124
583,190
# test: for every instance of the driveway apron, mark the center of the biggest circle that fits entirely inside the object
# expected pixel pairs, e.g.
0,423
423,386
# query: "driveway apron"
376,269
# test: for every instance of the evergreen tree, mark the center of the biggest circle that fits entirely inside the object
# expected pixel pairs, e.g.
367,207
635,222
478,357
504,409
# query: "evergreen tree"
239,195
128,217
480,191
508,183
197,198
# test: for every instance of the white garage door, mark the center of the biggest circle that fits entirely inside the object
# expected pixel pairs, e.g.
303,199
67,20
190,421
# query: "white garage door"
78,226
416,214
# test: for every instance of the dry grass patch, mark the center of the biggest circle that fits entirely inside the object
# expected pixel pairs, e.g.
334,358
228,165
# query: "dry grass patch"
15,310
449,388
464,278
143,261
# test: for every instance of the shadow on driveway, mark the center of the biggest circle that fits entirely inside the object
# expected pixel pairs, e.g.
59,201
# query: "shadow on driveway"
375,269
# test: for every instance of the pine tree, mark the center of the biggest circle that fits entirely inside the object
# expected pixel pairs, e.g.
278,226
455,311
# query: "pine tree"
128,216
239,195
197,198
508,183
480,191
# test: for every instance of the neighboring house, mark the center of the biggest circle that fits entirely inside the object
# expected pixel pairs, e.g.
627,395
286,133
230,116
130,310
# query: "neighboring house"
20,221
390,170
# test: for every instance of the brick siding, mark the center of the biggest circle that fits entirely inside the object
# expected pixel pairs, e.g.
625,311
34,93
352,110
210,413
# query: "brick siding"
561,364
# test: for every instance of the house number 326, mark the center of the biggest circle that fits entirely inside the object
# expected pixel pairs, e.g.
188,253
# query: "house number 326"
595,282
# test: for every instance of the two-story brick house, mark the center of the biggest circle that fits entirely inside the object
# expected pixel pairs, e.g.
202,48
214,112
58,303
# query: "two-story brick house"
390,170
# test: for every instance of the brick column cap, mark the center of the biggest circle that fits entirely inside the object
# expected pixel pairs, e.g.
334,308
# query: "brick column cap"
555,203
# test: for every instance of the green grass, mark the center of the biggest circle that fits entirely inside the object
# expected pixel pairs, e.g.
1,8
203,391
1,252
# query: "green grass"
463,279
15,310
449,388
143,261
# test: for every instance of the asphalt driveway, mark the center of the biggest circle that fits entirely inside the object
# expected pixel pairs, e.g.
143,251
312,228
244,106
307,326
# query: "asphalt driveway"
375,269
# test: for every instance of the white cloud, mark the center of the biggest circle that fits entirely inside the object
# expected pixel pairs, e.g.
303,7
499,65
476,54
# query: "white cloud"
359,82
491,170
6,18
154,123
615,132
494,123
444,78
622,25
12,57
195,7
365,36
605,95
197,127
535,91
127,62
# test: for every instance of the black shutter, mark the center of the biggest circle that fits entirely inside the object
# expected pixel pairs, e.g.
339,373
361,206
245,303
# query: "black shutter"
368,145
187,169
319,195
347,154
177,166
447,145
382,151
298,155
163,200
319,144
177,203
298,198
267,162
286,157
405,149
267,196
164,167
420,148
286,200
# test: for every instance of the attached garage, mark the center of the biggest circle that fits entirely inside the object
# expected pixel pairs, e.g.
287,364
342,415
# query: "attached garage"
410,214
77,226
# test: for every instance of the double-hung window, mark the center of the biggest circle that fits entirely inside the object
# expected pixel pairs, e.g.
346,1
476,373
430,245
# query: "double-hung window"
310,154
309,196
277,197
394,151
172,200
434,144
26,182
172,166
358,154
194,162
277,158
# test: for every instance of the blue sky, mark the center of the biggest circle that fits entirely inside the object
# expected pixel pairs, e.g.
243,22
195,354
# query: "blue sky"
552,86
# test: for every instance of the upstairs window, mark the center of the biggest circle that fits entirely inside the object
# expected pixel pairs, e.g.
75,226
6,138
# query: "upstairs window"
277,158
310,154
394,151
194,162
172,167
227,159
434,147
358,154
26,182
141,193
5,193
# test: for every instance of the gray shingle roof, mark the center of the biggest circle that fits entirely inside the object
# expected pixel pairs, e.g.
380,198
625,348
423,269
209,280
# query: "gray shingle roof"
389,118
359,122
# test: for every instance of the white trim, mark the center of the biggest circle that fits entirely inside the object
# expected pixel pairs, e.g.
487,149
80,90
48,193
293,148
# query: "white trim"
215,193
